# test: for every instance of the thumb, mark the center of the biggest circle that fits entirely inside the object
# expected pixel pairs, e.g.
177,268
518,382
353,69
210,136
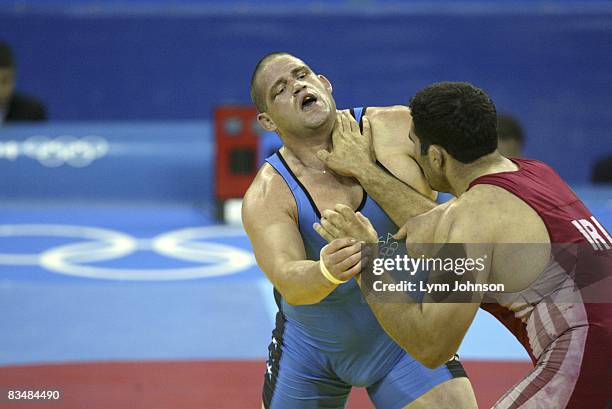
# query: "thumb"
401,233
323,155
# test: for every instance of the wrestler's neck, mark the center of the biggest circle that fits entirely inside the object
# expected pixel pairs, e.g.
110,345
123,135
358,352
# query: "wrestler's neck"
303,151
460,175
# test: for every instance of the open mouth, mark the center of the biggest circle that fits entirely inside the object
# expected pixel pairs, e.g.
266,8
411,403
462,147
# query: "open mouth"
308,101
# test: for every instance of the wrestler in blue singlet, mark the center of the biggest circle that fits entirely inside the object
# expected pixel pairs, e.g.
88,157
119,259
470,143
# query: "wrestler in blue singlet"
319,351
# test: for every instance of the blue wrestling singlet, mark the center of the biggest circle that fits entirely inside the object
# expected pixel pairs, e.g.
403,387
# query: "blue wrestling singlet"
318,352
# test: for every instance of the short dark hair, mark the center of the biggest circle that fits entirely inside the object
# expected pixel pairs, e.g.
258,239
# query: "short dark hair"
456,116
256,97
508,127
6,56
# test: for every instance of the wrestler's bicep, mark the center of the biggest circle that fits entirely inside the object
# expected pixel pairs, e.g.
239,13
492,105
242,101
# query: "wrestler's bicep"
275,238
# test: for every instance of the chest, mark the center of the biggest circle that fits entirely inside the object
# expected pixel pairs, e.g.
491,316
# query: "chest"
327,190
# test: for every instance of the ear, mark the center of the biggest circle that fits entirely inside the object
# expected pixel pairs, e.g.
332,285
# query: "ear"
325,82
266,122
437,158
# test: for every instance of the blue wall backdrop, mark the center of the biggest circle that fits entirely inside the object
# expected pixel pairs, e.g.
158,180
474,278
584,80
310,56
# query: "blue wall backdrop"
108,204
548,63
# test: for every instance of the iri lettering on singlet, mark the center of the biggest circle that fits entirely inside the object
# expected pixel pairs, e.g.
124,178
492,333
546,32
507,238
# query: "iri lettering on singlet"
594,232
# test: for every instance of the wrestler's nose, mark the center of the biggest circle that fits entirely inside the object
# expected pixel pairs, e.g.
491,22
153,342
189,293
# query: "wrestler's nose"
297,87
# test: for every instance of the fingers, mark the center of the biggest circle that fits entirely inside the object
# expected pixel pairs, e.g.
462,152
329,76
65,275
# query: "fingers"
401,233
351,272
346,212
340,255
364,220
338,131
368,227
339,125
349,262
343,261
338,244
346,125
337,262
335,218
350,123
328,237
347,121
330,227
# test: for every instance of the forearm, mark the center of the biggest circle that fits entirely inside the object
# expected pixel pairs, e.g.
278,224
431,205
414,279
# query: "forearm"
397,199
301,283
397,312
412,326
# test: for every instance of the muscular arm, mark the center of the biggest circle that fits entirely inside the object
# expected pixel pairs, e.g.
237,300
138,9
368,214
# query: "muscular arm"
270,220
407,194
398,199
402,192
413,326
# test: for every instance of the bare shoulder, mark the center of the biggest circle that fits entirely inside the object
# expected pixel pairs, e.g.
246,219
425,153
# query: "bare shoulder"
470,218
267,196
492,204
475,201
491,214
390,112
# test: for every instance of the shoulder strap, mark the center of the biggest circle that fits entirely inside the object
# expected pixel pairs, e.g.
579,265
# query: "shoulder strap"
300,194
276,161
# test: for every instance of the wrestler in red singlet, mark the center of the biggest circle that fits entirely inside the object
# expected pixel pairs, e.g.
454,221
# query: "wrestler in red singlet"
569,343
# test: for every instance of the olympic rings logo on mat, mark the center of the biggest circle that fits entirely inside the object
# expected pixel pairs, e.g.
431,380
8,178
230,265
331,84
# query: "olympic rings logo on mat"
99,245
65,149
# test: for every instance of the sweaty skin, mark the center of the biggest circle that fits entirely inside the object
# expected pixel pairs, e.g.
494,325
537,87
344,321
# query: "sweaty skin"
270,219
269,211
484,214
354,155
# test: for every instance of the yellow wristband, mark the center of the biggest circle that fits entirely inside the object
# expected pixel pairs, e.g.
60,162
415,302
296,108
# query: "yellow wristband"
326,272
